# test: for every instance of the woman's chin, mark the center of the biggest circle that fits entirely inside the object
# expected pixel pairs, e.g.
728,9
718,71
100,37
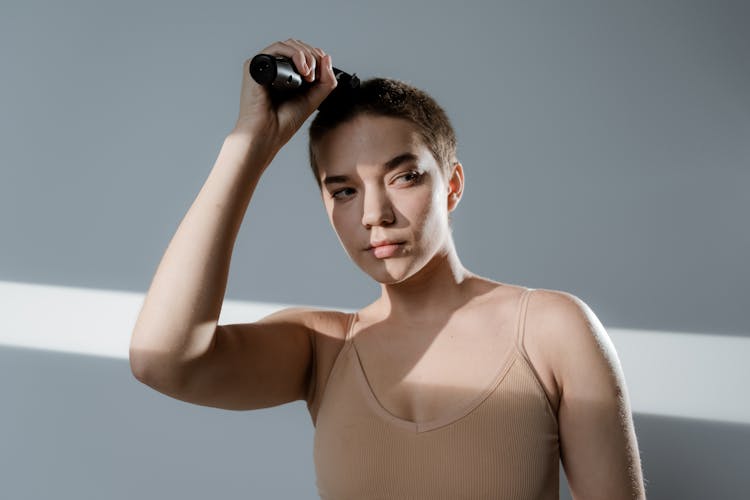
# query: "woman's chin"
386,273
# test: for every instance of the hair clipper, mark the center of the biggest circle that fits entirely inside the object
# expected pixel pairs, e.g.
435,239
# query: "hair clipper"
279,75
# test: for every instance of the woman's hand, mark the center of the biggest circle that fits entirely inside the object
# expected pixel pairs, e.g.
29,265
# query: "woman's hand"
275,124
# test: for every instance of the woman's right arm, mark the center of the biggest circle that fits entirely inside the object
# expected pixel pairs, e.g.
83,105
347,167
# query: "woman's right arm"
177,324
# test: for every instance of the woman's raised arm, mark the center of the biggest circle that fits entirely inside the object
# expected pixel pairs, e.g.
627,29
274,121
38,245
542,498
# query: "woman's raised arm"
177,323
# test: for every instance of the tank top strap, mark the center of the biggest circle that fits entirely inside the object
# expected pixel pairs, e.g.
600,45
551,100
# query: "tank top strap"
353,317
521,320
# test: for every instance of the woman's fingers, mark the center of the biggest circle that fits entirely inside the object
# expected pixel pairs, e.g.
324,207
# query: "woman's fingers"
308,60
325,86
321,67
312,63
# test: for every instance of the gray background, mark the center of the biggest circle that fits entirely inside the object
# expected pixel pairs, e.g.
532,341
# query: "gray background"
606,147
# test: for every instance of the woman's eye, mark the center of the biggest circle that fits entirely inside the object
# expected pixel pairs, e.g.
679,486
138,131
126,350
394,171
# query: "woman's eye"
412,176
336,193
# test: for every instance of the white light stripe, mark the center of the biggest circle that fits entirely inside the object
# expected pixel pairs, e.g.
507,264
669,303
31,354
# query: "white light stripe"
673,374
690,375
87,321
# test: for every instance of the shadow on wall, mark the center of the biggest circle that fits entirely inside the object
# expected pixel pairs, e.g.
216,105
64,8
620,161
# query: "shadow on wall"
76,426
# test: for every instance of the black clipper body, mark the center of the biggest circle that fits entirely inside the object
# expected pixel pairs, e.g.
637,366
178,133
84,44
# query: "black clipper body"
280,76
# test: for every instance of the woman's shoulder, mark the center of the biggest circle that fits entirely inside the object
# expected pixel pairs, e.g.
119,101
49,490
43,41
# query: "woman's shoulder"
546,299
330,323
496,294
558,323
552,316
557,304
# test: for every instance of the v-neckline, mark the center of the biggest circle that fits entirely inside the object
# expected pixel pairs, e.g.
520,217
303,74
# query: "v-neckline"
451,416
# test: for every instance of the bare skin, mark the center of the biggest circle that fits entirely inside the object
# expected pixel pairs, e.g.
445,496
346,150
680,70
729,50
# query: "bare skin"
433,316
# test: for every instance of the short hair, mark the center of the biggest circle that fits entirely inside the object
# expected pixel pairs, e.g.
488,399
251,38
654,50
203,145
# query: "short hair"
392,98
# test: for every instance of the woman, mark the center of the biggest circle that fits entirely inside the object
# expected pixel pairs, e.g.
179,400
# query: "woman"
449,385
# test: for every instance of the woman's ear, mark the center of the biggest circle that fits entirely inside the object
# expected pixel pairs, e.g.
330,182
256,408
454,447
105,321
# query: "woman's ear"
455,185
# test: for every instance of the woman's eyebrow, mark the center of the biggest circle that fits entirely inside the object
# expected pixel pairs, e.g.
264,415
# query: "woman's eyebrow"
387,166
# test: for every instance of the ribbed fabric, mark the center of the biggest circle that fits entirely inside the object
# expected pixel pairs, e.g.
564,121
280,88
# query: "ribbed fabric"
503,445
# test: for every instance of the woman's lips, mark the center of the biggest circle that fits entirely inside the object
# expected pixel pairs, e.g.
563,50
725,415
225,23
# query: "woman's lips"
385,251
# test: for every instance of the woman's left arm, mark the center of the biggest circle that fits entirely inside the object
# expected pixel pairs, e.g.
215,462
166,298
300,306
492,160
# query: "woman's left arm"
598,446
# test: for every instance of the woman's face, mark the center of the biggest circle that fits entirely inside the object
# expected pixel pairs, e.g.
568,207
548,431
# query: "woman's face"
380,182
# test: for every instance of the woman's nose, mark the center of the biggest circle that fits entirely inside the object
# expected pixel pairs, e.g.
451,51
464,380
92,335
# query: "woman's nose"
376,210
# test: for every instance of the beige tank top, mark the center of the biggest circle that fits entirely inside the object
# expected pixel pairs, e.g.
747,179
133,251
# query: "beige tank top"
502,445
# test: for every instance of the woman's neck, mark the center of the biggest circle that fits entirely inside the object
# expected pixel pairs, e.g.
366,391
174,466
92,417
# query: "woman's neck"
434,292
